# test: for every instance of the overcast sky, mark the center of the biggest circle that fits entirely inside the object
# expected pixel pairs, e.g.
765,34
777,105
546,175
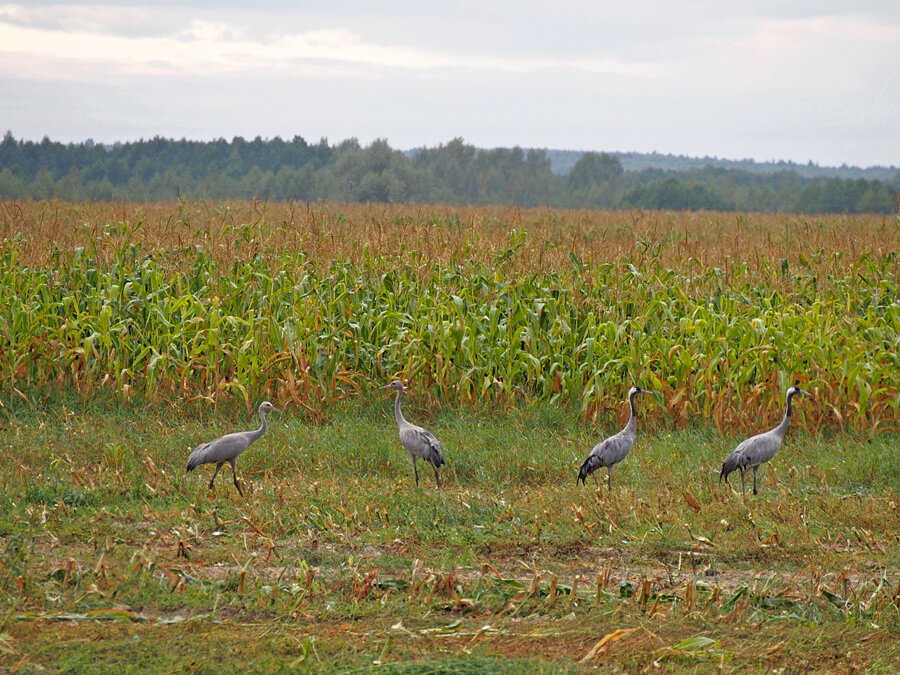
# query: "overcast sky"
791,79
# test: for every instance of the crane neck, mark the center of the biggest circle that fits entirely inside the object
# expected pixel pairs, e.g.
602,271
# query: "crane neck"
631,403
262,429
786,420
632,421
397,414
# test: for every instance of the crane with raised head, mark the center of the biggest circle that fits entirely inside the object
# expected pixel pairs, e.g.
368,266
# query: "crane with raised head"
417,441
227,448
610,451
757,450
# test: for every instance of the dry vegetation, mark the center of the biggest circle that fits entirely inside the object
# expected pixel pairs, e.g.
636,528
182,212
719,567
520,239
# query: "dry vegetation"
131,332
434,235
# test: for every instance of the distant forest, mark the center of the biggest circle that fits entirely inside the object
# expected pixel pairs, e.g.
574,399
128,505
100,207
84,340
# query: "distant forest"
161,169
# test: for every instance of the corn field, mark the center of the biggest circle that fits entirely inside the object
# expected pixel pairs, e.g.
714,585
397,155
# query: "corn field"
317,303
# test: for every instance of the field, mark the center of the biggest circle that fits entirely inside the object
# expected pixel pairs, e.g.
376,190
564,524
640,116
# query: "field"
129,333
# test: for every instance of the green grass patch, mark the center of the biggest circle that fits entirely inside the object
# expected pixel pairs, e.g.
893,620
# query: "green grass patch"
110,556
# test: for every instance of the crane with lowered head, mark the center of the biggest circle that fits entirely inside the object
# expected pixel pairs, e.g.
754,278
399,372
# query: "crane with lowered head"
610,451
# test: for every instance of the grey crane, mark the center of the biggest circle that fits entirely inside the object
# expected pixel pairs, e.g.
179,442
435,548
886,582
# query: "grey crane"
614,449
227,448
417,441
756,450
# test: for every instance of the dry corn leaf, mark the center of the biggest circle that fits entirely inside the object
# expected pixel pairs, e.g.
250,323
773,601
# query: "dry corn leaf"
692,502
700,538
602,647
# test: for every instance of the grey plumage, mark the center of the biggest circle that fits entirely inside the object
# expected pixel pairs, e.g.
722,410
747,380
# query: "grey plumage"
614,449
417,441
227,448
757,450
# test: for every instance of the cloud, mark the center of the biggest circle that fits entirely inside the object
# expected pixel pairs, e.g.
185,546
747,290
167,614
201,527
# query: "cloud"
820,44
41,45
791,79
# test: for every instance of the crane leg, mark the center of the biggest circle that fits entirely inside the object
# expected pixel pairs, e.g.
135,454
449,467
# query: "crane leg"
215,473
234,476
743,489
755,469
594,476
609,478
436,477
415,469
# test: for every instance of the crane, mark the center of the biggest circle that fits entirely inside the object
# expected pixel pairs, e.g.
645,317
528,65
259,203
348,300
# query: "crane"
614,449
756,450
417,441
227,448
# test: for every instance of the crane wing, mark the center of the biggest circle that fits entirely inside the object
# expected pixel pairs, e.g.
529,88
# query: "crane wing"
751,451
422,443
597,455
613,449
197,456
221,449
737,460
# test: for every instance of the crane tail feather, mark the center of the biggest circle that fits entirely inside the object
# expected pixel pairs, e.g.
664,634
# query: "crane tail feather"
197,457
732,463
588,467
434,454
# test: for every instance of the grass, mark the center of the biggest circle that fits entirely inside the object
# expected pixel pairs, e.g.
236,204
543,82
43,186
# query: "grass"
335,561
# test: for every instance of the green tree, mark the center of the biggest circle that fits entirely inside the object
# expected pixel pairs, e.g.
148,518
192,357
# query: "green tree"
593,169
12,186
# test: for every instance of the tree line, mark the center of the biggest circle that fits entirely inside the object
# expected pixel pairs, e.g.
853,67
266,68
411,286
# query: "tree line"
162,169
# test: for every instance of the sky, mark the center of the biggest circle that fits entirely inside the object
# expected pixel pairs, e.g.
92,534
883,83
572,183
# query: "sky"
791,80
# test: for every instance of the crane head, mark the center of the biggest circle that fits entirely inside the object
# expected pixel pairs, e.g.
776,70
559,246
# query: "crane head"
265,406
797,390
396,385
